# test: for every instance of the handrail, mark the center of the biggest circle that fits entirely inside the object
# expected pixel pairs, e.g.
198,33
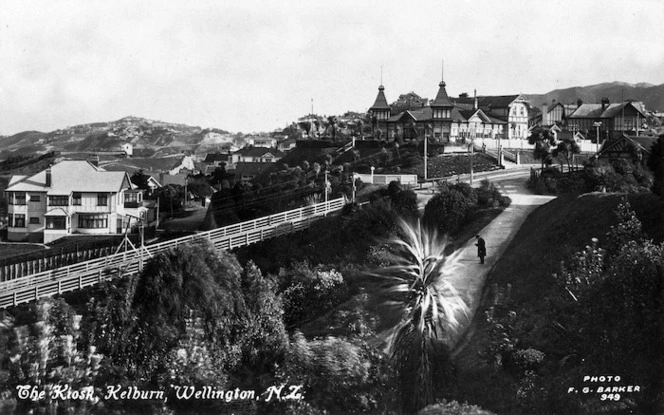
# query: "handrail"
86,273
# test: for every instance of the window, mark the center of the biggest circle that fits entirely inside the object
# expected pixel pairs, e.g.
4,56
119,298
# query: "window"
19,221
76,199
93,221
35,198
131,197
34,220
56,222
102,199
58,200
19,198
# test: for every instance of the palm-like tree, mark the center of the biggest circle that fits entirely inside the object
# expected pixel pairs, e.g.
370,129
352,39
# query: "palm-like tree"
423,309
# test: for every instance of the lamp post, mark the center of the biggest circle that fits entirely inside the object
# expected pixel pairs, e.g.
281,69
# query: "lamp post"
372,174
597,125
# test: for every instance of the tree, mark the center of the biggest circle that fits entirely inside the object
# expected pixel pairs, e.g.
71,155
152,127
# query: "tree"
332,121
543,140
611,306
140,179
447,211
656,165
46,352
422,311
567,148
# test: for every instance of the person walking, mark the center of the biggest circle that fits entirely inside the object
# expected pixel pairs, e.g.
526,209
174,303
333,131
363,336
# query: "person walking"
481,248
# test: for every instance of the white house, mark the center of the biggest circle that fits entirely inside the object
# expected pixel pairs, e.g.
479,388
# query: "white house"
258,141
71,197
256,155
128,149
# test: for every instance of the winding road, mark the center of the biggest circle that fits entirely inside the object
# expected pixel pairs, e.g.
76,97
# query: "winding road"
498,234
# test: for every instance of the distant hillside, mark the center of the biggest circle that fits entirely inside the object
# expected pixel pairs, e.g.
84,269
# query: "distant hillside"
651,95
110,136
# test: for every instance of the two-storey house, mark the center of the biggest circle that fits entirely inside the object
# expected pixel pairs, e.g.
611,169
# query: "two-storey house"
256,155
71,197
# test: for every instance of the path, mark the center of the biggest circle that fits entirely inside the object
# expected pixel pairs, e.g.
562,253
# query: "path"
498,234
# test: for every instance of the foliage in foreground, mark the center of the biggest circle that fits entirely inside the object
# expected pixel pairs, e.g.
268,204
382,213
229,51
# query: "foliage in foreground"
606,317
422,312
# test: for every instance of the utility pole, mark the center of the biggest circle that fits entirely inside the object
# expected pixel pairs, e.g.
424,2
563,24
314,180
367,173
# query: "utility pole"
425,157
472,150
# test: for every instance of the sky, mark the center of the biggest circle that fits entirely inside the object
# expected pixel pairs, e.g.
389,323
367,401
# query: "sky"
250,66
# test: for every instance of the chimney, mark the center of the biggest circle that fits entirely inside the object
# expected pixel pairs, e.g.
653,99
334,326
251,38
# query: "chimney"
49,177
95,161
545,114
605,103
579,103
475,101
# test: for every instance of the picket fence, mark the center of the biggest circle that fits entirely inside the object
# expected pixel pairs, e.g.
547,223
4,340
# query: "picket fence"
84,274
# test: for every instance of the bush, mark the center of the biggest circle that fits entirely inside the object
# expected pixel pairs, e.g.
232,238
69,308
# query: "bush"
309,292
447,211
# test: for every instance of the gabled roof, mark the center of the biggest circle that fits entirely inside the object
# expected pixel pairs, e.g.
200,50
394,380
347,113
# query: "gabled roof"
623,143
381,101
402,116
74,176
615,110
258,152
442,100
463,115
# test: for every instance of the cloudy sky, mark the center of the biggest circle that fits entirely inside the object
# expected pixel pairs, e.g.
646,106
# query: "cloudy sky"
255,66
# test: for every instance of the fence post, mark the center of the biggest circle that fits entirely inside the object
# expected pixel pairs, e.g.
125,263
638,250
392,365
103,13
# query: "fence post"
59,286
80,281
36,292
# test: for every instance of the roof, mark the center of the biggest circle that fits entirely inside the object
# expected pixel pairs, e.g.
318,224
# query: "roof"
588,111
496,101
212,157
381,101
258,151
615,110
623,142
164,179
611,111
74,176
400,116
15,179
56,212
442,100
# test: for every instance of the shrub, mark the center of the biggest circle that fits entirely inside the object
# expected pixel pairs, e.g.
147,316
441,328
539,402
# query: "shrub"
310,291
447,211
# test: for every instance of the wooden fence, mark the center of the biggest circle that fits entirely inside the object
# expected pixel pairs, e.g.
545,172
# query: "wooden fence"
50,259
84,274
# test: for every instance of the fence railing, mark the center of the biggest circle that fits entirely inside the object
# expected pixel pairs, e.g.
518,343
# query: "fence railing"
84,274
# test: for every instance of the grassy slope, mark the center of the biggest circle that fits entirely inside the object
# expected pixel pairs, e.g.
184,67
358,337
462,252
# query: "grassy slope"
549,235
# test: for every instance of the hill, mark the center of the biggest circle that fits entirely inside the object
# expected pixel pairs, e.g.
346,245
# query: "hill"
651,95
550,235
141,133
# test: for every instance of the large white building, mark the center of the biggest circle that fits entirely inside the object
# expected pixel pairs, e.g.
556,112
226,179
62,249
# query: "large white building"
71,197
